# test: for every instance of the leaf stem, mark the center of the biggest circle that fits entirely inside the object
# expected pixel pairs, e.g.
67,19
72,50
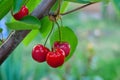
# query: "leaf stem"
49,33
68,12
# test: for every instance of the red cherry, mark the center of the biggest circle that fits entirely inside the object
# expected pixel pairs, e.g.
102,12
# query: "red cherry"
56,58
39,53
22,13
65,46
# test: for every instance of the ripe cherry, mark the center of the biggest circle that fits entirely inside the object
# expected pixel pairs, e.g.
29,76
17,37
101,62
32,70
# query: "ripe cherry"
39,53
22,13
65,46
56,58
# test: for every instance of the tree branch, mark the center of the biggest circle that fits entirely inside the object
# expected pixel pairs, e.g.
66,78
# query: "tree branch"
16,37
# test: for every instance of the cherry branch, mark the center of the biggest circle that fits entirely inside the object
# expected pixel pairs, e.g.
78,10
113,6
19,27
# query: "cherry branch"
16,37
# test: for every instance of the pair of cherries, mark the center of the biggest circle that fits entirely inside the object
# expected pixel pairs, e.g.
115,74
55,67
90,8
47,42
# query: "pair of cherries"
21,13
54,58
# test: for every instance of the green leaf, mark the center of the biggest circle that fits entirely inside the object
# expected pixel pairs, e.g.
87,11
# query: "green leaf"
67,35
21,26
27,23
5,7
46,26
31,20
32,4
63,7
116,4
30,37
1,30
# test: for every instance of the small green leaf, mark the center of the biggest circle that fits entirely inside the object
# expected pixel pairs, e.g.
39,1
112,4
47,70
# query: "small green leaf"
64,6
5,7
1,30
30,37
31,20
27,23
67,35
21,26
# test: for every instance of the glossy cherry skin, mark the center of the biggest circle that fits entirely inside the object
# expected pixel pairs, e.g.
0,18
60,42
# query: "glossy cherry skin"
65,46
22,13
39,53
56,58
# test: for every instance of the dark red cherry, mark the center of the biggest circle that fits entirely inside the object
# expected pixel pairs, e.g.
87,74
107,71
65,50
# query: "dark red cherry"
22,13
56,58
65,46
39,53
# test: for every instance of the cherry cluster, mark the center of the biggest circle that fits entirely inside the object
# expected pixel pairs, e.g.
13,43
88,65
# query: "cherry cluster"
40,53
55,57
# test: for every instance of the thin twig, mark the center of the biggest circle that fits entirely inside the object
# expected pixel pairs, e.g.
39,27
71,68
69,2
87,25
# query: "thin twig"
68,12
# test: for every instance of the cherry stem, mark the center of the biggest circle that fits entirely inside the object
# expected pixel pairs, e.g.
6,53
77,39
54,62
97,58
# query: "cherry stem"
77,9
60,37
49,34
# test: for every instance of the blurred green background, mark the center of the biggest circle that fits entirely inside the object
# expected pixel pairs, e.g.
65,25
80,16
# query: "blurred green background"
97,56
